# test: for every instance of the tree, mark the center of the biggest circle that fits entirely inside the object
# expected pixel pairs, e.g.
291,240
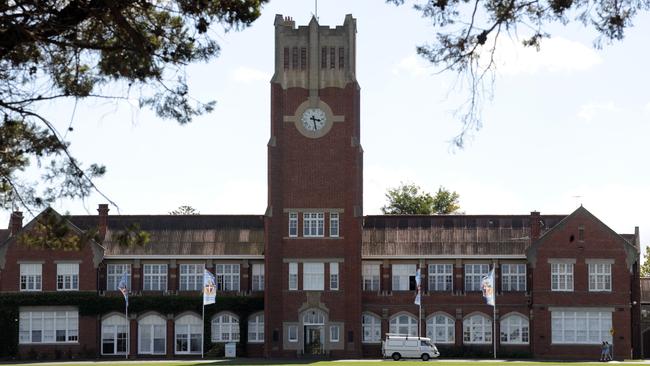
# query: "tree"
185,210
54,50
467,32
645,267
408,199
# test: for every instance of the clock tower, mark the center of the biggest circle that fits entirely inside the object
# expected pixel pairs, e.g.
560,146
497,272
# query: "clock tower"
314,214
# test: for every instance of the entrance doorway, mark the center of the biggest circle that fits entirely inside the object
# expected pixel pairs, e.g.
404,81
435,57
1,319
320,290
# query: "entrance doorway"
313,340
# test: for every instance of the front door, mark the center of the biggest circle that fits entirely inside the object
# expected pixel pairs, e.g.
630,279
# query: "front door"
313,340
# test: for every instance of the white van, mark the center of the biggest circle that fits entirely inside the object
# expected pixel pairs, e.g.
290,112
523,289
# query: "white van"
402,346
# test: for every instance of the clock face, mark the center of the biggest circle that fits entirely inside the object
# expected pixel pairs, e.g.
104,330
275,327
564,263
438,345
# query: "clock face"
313,119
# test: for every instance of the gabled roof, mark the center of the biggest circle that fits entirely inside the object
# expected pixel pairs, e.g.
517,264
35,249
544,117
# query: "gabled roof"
171,236
631,251
96,247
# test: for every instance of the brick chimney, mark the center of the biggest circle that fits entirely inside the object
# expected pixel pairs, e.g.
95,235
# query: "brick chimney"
15,223
535,225
103,220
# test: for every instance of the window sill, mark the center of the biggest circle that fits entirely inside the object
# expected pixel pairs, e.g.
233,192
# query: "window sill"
313,237
48,343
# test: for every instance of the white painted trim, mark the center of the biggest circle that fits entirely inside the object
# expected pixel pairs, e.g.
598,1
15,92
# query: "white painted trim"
446,256
565,308
561,261
599,261
178,256
312,260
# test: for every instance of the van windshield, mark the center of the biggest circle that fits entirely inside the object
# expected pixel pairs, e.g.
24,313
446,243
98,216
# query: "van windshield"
425,344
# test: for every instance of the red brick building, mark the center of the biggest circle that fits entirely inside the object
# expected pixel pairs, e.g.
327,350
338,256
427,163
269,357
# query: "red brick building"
313,276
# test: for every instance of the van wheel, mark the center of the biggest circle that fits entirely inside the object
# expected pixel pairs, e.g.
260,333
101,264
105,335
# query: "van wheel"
396,356
425,357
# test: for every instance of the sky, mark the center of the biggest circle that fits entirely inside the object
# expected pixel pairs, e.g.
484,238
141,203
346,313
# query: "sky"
568,125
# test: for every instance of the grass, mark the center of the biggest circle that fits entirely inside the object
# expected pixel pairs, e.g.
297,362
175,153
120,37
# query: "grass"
325,363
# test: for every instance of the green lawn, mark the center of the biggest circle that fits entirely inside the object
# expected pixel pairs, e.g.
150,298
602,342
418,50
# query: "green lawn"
321,363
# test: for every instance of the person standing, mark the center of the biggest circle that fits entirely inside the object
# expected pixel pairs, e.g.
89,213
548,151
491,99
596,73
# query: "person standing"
603,351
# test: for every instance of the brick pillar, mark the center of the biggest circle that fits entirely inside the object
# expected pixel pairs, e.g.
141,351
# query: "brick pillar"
459,327
458,277
171,342
172,276
386,284
15,222
244,283
136,276
101,277
102,225
535,225
133,336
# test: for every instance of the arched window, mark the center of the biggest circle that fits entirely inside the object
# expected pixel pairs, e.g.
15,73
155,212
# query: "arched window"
114,335
313,317
477,328
441,328
405,324
225,328
371,326
514,329
152,335
188,331
256,328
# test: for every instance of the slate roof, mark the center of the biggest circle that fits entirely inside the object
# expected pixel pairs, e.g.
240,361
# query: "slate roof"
4,234
449,235
184,235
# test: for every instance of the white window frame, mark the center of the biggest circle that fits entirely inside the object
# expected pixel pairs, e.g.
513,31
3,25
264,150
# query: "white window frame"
581,326
401,276
600,277
227,276
293,224
186,328
313,224
334,224
293,276
47,323
514,329
562,276
334,276
31,273
477,329
335,332
225,328
115,325
151,325
371,276
257,280
190,276
371,328
404,321
313,276
512,277
474,273
154,277
256,328
67,276
441,277
441,328
292,333
114,273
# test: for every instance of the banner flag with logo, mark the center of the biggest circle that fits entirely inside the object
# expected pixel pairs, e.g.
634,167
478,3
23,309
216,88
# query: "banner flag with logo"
209,288
123,286
487,286
418,281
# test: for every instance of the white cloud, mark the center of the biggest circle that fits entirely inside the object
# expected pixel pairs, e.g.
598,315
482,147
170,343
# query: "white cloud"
248,75
588,111
555,55
646,108
412,65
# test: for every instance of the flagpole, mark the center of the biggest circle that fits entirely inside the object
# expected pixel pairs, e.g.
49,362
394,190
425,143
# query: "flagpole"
128,329
494,310
203,329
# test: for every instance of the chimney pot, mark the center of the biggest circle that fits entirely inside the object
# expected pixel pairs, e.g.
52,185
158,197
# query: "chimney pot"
15,223
103,220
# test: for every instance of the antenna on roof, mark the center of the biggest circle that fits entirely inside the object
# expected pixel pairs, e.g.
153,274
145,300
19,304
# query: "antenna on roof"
578,200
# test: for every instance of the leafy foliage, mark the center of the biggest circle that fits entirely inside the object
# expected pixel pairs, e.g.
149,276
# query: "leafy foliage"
132,236
77,49
185,210
409,199
52,231
645,267
467,32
